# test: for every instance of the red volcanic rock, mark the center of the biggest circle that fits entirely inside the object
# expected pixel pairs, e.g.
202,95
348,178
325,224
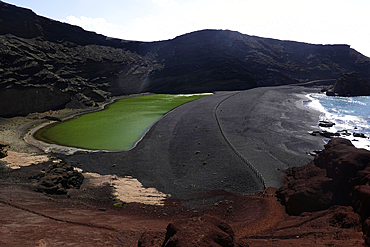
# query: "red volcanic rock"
366,231
342,161
327,180
361,200
305,190
344,217
198,231
364,176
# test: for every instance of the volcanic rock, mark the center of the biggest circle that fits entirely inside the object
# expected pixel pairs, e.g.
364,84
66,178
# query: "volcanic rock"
3,150
361,200
58,179
327,180
344,217
306,189
357,134
327,124
350,84
48,65
366,231
342,161
197,231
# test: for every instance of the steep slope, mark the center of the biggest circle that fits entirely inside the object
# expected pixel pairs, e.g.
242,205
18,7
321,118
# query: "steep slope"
46,64
214,59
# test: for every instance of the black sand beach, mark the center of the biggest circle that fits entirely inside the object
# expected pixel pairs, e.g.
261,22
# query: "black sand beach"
196,146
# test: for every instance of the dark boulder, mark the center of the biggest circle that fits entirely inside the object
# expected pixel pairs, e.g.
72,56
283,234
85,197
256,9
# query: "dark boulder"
357,134
197,231
3,150
328,134
58,179
326,124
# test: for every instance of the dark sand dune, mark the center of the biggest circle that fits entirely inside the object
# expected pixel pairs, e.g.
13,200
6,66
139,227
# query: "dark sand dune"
195,147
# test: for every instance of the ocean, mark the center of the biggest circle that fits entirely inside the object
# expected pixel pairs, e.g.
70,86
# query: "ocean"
348,113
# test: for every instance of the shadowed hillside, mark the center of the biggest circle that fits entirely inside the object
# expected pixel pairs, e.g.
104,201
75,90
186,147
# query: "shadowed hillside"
46,64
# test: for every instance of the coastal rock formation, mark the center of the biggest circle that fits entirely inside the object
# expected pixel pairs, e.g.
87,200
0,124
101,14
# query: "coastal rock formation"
46,64
350,84
339,175
198,231
58,179
327,180
306,189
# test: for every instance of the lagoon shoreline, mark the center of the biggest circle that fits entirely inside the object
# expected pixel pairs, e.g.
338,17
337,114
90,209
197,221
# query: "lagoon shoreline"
267,126
185,152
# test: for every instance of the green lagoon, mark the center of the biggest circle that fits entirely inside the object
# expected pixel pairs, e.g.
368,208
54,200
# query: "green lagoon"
118,127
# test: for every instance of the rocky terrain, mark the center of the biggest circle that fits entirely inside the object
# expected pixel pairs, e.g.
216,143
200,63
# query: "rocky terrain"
332,190
48,65
349,84
339,175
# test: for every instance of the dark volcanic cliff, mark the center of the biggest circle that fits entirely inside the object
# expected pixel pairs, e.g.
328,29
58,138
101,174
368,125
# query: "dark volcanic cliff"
350,84
46,64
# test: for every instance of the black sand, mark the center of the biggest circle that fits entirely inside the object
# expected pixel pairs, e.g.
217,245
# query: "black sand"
188,151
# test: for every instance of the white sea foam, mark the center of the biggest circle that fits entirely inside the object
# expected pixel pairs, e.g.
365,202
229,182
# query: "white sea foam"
348,113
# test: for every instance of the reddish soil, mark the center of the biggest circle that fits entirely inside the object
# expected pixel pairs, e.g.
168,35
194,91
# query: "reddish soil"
87,217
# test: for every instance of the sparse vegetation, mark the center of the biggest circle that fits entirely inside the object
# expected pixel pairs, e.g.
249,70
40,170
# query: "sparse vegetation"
118,204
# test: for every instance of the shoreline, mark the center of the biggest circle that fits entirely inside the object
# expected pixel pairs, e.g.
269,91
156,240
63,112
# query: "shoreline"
185,151
361,140
177,137
69,150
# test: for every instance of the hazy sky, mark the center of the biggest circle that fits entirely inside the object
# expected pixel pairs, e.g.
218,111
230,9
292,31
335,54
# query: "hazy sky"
313,21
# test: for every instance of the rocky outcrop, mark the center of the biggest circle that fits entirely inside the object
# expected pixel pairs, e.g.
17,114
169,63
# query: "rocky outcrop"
326,181
339,175
350,84
70,67
306,189
38,75
198,231
58,179
3,150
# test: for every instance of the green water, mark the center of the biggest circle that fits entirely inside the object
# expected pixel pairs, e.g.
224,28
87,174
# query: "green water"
117,127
